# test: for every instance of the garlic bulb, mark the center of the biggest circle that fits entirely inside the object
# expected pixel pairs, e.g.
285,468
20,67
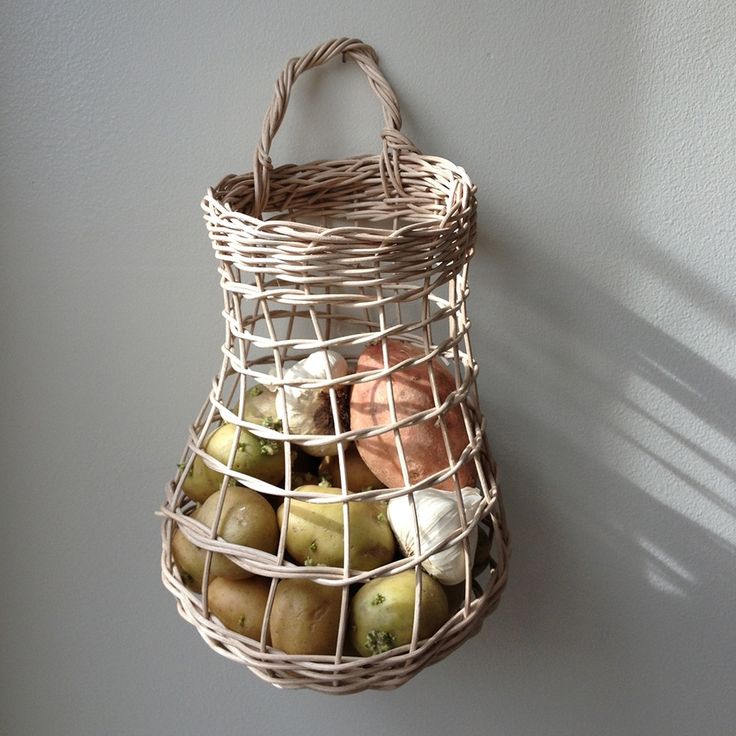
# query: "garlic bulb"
308,410
438,519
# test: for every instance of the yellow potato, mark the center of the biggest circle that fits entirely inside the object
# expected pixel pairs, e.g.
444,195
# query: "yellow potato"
358,475
314,535
189,560
263,459
240,604
247,519
260,406
201,481
382,612
305,617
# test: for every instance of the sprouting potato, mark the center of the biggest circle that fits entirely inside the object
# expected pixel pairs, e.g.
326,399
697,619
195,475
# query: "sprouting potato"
260,406
263,459
315,532
382,612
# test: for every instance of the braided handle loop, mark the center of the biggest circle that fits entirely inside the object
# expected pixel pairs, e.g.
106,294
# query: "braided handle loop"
365,57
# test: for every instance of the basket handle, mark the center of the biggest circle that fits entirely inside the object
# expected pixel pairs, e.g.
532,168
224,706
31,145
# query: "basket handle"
366,58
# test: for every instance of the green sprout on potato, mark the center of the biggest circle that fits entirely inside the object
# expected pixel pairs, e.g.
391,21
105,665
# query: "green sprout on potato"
270,447
377,641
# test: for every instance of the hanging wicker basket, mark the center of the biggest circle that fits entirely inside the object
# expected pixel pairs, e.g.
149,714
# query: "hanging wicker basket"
359,267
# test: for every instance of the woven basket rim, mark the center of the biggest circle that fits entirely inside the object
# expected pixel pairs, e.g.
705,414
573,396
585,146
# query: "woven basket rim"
279,228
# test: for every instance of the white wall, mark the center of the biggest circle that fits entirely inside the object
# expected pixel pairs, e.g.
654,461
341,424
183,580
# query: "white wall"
601,138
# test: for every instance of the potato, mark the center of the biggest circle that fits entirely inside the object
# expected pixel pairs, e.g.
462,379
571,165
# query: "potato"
303,479
305,617
358,474
201,481
189,560
240,604
303,468
382,612
423,443
260,406
247,519
315,532
263,459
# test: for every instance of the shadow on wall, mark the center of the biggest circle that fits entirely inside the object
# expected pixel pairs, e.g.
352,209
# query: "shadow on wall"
615,439
616,447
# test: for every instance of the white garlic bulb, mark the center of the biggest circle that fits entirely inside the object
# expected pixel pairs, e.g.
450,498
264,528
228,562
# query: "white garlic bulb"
438,519
309,410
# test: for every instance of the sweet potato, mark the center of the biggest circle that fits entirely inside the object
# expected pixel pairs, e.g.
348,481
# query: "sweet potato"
424,447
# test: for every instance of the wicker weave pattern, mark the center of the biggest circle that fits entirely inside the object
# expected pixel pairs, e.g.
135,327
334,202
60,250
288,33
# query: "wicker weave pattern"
339,255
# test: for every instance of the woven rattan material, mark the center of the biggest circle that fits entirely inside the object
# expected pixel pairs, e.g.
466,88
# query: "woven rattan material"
341,255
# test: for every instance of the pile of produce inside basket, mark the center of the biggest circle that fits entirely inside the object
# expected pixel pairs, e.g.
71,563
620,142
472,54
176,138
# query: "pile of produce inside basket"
302,527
